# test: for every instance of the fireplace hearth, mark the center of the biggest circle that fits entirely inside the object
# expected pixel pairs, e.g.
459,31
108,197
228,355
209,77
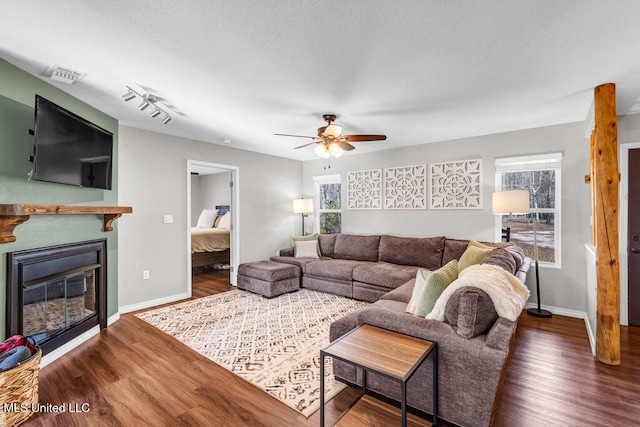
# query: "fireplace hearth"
56,293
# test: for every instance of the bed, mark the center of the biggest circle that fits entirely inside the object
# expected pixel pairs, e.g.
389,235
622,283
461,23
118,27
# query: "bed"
211,245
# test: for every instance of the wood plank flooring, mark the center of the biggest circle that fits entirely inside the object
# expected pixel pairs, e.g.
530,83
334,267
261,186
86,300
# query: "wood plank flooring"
134,375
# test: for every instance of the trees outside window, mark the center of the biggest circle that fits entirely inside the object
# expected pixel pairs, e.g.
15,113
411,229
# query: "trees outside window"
540,175
328,198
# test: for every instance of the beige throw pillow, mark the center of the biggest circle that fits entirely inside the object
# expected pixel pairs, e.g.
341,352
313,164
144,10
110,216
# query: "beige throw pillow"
421,278
306,249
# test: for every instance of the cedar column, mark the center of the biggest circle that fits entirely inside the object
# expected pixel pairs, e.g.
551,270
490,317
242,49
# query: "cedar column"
606,225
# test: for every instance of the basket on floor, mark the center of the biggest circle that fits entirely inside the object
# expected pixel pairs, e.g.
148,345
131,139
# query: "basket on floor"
19,391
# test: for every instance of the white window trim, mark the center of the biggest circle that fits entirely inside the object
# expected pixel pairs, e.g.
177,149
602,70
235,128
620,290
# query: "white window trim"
535,162
323,179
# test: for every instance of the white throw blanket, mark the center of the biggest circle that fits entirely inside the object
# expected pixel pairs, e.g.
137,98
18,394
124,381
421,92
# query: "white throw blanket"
508,294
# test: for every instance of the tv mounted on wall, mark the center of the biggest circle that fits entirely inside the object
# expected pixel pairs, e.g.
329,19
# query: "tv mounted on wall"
69,149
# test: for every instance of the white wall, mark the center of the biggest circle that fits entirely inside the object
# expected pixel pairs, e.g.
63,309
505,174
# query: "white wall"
153,174
563,287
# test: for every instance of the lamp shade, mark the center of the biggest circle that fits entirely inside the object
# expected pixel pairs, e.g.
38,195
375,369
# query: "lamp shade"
510,202
302,206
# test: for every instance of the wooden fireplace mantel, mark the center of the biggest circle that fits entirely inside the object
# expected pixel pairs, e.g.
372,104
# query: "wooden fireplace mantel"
13,215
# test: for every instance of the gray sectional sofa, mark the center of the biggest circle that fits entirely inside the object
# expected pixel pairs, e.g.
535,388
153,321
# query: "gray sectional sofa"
473,341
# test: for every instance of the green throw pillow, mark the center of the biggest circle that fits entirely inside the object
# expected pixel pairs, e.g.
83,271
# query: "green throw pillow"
434,286
474,254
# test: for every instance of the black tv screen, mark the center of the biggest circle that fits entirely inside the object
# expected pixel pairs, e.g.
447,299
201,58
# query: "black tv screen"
69,149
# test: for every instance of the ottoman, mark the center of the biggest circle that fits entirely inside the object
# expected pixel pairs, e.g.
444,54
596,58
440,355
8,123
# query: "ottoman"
268,278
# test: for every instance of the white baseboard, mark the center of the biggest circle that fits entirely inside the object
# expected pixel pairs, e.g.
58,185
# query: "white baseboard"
569,313
80,339
153,303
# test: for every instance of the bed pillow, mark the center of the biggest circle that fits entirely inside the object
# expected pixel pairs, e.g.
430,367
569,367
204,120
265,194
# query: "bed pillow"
434,286
421,278
474,254
206,218
225,222
217,221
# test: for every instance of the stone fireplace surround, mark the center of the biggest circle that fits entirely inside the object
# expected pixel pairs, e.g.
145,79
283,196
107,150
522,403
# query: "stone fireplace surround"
75,300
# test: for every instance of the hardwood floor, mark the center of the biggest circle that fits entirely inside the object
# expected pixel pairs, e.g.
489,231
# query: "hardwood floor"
134,375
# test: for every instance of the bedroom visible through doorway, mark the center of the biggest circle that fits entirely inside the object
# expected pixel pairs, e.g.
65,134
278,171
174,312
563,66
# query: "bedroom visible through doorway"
212,234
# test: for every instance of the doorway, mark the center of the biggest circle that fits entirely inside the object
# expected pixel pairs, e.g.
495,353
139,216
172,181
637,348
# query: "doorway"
633,236
629,221
212,186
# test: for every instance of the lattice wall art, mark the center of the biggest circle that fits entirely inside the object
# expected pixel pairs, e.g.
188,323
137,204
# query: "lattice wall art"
456,185
405,187
364,189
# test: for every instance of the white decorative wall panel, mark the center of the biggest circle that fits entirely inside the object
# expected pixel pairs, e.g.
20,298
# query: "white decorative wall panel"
405,187
364,189
456,185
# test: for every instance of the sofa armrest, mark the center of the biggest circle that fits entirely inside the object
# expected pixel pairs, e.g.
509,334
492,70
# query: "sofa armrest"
343,325
286,252
500,334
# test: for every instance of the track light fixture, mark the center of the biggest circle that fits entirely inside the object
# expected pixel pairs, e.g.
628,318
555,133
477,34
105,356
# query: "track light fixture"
148,100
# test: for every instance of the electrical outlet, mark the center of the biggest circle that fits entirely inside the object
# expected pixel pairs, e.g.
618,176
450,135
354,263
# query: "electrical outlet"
145,274
168,219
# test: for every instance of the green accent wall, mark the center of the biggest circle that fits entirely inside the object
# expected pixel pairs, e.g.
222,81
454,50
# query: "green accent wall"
17,97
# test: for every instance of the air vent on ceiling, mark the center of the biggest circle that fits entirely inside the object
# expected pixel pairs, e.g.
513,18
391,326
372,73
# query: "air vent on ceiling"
64,75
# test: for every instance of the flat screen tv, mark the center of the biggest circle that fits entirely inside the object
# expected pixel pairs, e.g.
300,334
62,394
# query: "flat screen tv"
69,149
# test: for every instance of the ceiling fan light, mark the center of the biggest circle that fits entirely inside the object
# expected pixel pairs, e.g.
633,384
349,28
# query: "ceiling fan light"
335,150
332,130
321,151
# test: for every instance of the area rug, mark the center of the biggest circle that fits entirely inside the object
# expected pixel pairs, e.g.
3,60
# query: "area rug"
272,343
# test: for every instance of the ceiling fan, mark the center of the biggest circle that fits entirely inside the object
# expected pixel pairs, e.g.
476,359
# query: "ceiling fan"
331,142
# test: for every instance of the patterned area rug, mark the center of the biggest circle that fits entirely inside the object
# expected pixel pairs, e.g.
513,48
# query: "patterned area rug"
272,343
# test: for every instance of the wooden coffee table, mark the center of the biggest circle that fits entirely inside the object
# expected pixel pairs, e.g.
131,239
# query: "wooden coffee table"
394,355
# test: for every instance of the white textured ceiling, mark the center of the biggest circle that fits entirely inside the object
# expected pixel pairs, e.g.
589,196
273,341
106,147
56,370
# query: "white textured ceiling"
418,71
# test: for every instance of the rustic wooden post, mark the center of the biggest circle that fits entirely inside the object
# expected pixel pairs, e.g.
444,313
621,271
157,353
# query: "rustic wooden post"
606,225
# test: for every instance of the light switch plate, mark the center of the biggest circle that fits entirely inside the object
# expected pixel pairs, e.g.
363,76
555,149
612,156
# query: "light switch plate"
168,219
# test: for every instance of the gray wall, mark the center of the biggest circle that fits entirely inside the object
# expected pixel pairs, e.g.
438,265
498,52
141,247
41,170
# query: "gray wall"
17,95
563,287
153,177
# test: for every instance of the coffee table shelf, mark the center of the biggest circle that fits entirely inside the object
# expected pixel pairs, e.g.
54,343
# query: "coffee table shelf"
394,355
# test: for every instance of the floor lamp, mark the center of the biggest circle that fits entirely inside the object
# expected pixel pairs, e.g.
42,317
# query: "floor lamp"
517,202
303,207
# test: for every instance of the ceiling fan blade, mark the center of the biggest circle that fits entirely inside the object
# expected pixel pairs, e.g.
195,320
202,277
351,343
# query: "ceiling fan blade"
306,145
362,138
295,136
345,145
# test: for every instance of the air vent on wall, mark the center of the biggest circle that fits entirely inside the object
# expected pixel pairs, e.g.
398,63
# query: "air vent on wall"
64,75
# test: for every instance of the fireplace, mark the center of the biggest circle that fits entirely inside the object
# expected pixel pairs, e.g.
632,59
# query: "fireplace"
56,293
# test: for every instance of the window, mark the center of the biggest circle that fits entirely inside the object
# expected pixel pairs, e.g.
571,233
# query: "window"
540,175
328,198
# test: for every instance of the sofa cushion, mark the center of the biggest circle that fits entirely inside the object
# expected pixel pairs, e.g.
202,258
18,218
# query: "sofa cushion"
470,311
423,252
327,243
401,293
340,269
358,248
434,286
300,262
384,274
